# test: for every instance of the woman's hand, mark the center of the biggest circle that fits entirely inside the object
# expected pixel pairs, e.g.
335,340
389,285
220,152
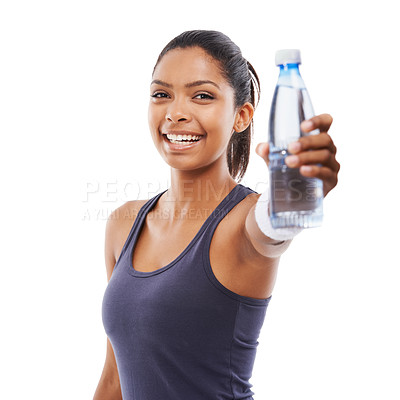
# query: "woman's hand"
309,151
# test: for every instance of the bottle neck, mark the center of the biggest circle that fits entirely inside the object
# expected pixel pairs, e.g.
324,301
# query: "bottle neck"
289,75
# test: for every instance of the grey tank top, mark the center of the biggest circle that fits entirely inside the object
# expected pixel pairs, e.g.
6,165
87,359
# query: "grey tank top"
177,332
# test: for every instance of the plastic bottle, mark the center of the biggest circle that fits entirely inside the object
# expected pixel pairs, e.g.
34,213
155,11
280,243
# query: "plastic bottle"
295,200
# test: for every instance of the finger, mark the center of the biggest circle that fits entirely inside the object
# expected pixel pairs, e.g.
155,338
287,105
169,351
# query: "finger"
323,157
312,142
317,171
329,177
322,122
262,150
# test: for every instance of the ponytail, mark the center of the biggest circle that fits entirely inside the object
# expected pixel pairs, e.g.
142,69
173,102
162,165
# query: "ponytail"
238,152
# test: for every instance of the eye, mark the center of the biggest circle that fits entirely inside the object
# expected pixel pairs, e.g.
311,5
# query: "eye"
159,95
204,96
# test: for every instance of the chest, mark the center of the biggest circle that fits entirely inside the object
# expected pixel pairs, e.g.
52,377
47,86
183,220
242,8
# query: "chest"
158,245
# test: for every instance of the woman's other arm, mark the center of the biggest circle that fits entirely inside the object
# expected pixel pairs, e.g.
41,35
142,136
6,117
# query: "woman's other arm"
109,386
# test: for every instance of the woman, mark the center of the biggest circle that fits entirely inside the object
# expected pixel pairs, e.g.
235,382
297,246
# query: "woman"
190,272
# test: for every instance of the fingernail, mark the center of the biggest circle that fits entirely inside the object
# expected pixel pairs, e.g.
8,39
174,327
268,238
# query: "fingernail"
306,169
294,147
307,125
291,161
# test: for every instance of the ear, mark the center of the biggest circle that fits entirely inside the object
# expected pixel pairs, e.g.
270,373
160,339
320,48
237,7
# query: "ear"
243,117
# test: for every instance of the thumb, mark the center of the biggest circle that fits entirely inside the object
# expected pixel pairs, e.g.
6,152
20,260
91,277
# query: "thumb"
262,150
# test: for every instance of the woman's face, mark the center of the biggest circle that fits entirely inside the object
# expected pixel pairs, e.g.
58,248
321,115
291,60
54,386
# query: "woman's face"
189,96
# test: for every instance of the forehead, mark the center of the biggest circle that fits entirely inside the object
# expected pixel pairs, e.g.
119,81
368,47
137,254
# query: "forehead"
187,65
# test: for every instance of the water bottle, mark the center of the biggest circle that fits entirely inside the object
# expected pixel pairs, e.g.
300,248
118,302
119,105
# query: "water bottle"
295,200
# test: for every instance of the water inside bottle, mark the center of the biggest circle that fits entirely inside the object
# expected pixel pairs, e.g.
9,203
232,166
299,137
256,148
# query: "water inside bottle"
295,199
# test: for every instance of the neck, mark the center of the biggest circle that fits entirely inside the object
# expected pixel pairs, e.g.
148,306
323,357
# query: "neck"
199,188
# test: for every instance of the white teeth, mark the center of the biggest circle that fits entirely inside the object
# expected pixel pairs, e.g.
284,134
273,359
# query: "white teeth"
180,138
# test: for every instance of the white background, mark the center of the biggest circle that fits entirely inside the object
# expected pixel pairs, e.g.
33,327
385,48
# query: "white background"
74,78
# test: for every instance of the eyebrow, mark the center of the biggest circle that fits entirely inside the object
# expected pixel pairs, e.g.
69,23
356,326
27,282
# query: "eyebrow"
187,85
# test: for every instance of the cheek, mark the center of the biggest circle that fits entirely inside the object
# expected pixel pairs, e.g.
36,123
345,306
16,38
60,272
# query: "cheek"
153,117
223,120
150,115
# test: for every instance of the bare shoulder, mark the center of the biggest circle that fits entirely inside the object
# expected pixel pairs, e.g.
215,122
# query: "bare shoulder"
125,214
249,201
119,224
234,232
238,214
236,263
232,226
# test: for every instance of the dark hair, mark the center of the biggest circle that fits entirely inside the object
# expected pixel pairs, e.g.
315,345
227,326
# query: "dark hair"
239,73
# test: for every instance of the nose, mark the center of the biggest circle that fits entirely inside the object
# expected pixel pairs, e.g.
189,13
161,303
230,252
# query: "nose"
177,112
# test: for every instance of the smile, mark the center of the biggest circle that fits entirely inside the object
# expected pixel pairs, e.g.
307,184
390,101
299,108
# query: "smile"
179,142
182,138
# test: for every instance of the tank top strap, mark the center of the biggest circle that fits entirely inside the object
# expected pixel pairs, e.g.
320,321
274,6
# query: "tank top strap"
144,210
149,205
146,207
237,194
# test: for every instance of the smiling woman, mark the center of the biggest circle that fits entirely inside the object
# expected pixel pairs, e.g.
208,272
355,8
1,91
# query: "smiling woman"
190,272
